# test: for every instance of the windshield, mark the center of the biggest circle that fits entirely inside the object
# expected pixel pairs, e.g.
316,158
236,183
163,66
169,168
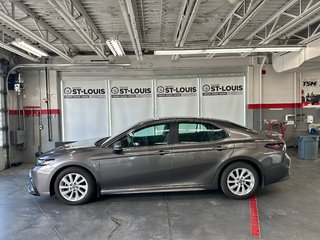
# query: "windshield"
105,140
100,141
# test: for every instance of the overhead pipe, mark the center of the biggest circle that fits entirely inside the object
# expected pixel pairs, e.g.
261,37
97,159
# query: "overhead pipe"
185,24
260,91
48,103
134,25
125,14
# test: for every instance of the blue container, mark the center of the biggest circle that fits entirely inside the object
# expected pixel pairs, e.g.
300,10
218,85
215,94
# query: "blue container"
308,147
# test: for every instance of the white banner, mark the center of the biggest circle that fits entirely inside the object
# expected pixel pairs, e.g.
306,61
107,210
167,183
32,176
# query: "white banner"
131,102
177,97
84,110
224,98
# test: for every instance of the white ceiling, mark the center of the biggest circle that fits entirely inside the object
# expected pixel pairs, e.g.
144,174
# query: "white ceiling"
156,23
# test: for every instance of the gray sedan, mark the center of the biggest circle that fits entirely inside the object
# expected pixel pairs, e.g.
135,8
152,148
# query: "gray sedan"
161,155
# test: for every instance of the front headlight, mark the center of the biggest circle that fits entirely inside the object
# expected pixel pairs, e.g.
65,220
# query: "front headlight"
44,161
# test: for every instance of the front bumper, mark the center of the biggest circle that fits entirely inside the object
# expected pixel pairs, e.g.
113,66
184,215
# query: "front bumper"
278,172
32,188
39,179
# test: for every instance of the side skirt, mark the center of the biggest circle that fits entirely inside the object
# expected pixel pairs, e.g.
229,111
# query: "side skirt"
156,189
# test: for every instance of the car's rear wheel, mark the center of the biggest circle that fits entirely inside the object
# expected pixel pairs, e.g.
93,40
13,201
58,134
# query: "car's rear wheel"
74,186
239,180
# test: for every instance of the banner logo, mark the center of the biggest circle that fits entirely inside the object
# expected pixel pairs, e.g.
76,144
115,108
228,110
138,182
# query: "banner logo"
79,92
172,91
128,92
67,91
309,83
217,89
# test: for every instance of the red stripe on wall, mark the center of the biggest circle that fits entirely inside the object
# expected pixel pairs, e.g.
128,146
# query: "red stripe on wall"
274,105
254,218
35,112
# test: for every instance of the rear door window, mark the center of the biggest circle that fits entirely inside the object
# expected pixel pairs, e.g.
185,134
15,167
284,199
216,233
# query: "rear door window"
199,132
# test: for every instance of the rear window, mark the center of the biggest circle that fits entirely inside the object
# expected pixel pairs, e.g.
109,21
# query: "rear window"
234,125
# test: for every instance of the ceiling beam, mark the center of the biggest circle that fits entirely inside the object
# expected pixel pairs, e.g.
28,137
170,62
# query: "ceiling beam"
9,33
188,14
75,15
267,34
307,32
273,18
129,13
15,24
84,13
226,21
239,16
46,27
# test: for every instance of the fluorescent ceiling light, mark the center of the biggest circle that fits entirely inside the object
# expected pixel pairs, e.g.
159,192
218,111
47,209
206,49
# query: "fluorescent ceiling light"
29,48
201,51
16,51
225,50
277,49
115,47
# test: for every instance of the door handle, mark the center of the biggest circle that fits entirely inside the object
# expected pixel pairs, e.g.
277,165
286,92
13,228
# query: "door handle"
162,152
220,148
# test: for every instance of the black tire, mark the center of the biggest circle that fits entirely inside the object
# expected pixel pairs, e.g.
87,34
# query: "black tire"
81,187
236,186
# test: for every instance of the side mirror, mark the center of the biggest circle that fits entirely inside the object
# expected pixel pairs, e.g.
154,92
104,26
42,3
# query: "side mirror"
117,147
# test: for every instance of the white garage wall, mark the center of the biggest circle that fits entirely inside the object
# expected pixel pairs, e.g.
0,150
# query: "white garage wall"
277,88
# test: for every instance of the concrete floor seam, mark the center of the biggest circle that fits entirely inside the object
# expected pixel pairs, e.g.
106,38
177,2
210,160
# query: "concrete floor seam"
35,201
168,216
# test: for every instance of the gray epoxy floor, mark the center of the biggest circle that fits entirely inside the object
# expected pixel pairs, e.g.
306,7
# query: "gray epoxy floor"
287,210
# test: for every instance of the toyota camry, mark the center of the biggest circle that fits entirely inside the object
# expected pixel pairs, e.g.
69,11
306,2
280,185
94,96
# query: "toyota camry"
161,155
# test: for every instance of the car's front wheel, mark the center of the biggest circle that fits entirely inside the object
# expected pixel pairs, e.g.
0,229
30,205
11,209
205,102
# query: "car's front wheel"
74,186
239,180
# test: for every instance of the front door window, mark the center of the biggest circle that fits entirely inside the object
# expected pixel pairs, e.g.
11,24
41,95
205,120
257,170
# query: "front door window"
150,136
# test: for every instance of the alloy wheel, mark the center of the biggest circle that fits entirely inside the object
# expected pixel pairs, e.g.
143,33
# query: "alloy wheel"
240,181
73,187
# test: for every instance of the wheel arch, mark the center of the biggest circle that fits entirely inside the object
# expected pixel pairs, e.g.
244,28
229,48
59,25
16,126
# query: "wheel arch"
54,177
253,162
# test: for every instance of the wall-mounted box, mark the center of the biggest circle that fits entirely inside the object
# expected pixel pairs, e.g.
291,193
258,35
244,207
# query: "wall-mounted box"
17,137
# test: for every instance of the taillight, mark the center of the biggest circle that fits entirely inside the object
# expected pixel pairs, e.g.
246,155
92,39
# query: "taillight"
280,146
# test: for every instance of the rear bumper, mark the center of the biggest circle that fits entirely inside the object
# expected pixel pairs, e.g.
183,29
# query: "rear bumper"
277,172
